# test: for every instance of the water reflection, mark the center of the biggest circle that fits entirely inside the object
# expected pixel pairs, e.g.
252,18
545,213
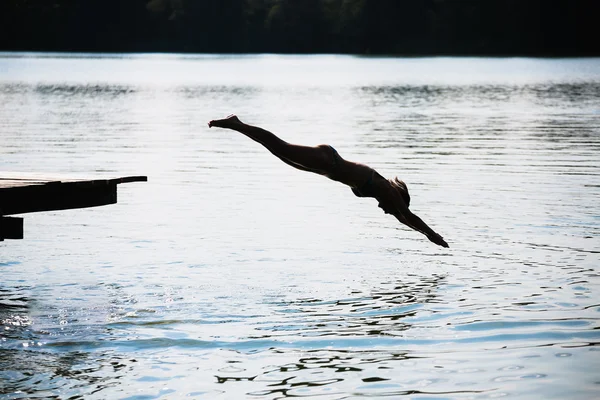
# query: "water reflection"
199,92
88,90
573,94
38,374
14,299
14,318
480,96
29,369
438,96
380,312
230,275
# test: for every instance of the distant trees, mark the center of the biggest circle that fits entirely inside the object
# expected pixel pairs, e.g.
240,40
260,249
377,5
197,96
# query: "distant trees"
395,27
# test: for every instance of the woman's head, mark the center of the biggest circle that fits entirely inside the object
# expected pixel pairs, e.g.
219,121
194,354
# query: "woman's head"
400,186
394,196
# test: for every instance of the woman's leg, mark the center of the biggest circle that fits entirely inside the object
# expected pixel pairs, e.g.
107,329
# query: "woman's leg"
317,159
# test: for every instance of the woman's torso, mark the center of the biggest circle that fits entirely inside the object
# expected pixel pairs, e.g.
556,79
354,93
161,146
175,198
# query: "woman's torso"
360,177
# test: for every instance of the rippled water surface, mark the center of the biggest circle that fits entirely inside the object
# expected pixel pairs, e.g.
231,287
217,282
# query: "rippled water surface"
230,275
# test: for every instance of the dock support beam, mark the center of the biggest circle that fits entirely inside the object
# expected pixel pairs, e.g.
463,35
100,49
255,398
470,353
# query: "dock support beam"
11,228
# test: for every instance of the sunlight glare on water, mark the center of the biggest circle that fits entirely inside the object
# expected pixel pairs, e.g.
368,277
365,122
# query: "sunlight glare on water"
230,275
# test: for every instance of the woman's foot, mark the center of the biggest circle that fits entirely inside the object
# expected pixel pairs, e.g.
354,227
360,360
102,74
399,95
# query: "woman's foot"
229,122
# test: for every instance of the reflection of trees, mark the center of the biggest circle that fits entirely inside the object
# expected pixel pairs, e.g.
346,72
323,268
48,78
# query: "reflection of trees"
336,26
322,368
39,373
12,300
380,312
365,315
576,94
479,120
36,372
440,95
14,317
83,91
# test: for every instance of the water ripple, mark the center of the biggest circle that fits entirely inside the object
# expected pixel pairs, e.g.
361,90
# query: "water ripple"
230,275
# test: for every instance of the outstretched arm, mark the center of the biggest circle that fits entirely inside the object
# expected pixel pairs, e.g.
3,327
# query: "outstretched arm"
413,221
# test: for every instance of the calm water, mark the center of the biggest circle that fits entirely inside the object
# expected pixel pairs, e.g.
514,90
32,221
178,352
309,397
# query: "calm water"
230,275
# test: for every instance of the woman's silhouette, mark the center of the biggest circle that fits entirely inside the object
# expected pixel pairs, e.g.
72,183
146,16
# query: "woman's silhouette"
364,181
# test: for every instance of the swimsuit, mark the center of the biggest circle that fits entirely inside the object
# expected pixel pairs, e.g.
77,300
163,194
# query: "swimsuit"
366,189
337,159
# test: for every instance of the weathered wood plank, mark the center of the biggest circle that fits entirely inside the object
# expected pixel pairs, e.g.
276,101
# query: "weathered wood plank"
18,196
10,180
56,196
34,193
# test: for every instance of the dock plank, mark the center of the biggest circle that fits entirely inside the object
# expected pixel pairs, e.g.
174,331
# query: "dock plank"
25,193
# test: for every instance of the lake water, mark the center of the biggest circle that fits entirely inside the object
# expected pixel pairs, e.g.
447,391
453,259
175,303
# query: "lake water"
231,275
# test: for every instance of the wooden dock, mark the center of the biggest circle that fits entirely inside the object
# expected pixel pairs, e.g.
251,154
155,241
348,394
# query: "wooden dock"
25,193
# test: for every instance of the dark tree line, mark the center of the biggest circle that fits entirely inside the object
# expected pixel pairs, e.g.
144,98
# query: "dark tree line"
394,27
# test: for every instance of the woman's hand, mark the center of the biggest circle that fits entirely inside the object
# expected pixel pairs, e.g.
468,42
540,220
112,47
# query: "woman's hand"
413,221
437,239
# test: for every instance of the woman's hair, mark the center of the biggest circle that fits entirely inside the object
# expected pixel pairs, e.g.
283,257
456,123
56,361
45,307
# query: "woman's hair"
400,186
